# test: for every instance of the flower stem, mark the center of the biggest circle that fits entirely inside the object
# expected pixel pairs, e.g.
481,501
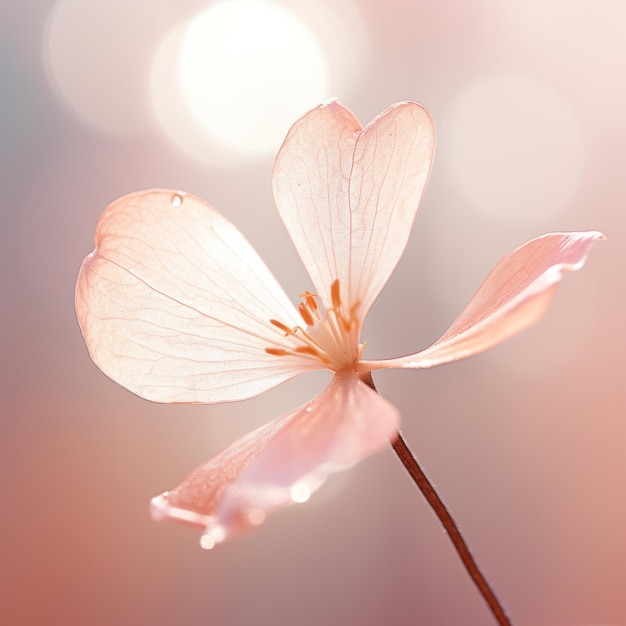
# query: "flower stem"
426,487
441,511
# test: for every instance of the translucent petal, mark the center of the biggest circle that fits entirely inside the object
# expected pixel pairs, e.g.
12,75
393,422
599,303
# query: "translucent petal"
175,304
348,196
514,296
282,462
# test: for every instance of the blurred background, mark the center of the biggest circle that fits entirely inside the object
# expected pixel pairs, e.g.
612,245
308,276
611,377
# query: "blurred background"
525,443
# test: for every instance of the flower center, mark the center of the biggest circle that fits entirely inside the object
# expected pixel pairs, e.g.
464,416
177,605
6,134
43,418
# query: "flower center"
332,338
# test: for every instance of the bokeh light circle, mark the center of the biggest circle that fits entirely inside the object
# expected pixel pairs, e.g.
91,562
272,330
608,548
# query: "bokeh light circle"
227,83
514,148
246,70
97,57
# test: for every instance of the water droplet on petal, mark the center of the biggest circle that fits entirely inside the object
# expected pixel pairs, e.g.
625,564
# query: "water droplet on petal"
177,199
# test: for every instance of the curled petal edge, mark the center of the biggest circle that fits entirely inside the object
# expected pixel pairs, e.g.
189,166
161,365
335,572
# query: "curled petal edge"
515,295
282,462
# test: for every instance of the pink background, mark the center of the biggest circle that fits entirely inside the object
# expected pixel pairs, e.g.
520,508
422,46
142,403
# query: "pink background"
525,443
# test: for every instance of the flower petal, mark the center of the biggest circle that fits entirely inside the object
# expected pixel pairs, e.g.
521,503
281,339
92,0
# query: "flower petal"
175,304
348,196
282,462
513,296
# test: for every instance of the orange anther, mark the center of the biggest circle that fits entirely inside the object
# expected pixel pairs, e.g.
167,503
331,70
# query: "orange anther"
277,351
307,350
282,327
335,295
306,314
328,336
310,300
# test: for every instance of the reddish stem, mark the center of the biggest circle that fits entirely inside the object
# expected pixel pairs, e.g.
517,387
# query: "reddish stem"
444,516
441,511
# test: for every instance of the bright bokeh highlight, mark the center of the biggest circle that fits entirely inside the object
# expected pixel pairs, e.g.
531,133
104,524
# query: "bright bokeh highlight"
224,83
246,67
300,493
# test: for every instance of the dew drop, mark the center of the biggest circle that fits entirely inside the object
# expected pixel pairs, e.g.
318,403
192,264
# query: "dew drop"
177,199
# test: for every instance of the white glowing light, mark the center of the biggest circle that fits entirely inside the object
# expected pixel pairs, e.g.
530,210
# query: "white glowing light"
246,70
212,536
515,148
235,115
300,492
207,542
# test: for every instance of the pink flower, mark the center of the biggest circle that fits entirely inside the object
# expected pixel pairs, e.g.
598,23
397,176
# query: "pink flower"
176,306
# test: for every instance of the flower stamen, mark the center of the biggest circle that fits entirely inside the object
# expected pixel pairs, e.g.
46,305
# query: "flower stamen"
311,303
335,295
332,338
306,314
277,351
282,327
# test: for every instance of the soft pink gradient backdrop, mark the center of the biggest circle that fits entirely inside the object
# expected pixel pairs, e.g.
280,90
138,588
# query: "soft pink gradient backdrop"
526,443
